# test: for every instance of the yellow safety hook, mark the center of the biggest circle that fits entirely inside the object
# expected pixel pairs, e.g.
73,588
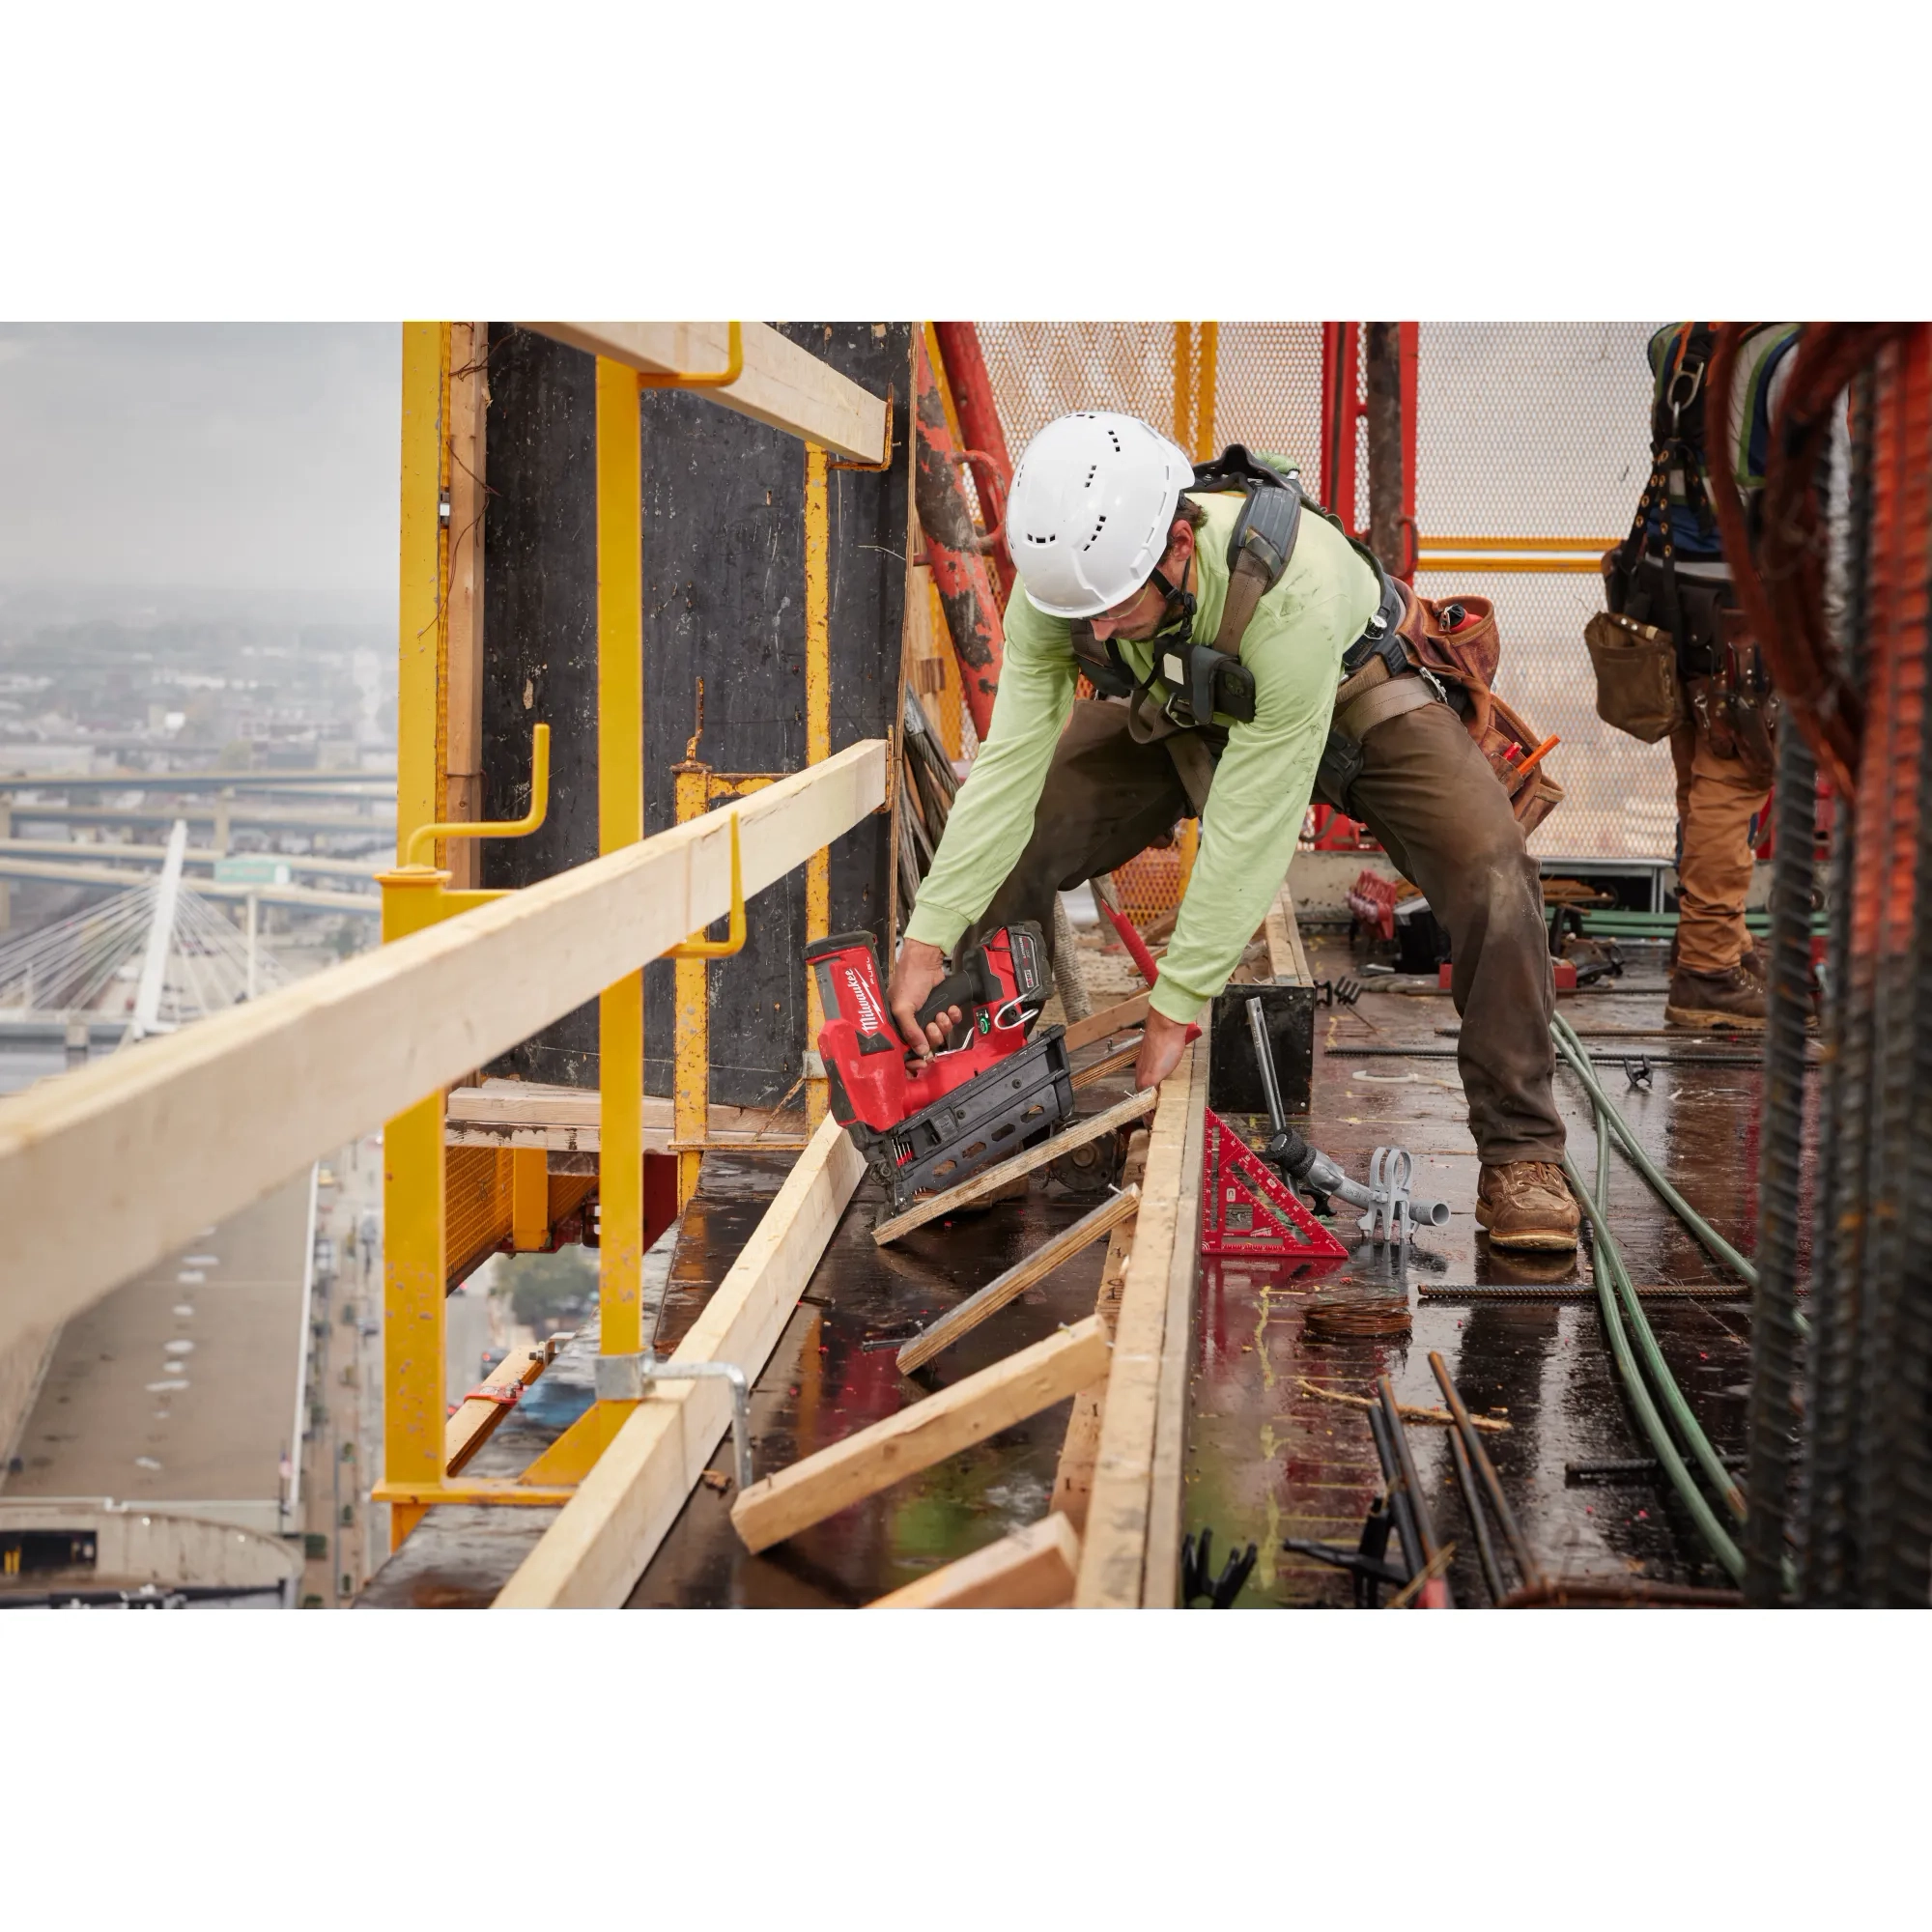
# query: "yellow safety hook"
697,947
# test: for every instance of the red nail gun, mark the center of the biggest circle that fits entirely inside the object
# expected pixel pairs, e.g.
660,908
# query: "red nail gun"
932,1123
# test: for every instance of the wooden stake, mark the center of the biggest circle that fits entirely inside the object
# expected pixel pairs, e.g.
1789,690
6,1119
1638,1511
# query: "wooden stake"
961,1322
993,1179
1031,1569
916,1438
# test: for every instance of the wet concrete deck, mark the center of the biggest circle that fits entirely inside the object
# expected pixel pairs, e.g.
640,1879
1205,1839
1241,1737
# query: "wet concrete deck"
1265,1458
1269,1458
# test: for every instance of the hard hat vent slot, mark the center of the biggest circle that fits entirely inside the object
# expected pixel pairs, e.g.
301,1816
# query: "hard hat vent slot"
1095,538
1092,471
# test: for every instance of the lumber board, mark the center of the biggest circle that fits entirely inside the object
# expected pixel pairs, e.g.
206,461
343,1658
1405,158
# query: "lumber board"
957,1322
117,1164
1287,957
1111,1063
783,385
1031,1569
1109,1020
1079,1449
476,1416
568,1119
1113,1552
993,1179
875,1458
598,1546
1160,1587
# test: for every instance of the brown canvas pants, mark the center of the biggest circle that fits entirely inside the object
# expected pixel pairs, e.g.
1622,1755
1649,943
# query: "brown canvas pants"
1427,794
1717,800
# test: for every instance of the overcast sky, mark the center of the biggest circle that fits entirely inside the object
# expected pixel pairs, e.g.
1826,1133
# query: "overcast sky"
252,457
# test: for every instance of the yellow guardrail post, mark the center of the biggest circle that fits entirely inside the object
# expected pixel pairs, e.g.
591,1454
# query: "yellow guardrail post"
817,737
690,1105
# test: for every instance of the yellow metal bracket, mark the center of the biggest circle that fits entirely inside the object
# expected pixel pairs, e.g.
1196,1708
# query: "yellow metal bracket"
497,828
697,947
699,379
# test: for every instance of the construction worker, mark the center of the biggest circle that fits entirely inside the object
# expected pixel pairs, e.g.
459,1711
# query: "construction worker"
1671,573
1123,572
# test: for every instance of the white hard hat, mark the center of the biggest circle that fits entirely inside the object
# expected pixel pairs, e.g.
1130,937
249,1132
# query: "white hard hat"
1088,513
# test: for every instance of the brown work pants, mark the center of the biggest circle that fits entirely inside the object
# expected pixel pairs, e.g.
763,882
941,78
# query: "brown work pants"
1717,800
1428,795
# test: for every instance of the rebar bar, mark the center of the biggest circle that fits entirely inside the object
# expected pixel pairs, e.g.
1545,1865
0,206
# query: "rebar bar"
1472,1508
1464,1431
1774,1299
1430,1545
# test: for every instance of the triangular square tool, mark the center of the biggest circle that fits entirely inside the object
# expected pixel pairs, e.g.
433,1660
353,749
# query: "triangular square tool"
1248,1209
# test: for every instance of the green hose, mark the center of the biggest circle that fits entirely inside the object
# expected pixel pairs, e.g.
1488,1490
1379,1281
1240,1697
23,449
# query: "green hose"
1573,1051
1609,1267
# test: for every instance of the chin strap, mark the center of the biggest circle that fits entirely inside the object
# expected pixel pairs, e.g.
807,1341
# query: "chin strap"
1178,611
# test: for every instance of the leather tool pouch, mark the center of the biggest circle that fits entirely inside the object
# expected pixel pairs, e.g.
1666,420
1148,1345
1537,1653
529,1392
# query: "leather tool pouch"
1637,688
1457,641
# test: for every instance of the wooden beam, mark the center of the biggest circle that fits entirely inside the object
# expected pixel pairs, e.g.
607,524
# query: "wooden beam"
1080,1448
1113,1063
961,1320
783,385
122,1163
598,1548
1109,1020
569,1119
478,1415
1031,1569
993,1179
1287,957
1112,1554
916,1438
1160,1582
463,697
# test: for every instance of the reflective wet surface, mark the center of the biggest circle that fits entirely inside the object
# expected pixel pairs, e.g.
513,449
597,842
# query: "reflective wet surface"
1270,1454
1269,1458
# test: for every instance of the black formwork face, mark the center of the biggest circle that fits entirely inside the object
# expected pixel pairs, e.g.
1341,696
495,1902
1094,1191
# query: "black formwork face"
723,561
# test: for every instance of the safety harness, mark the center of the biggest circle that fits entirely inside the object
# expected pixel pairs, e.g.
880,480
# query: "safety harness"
1205,678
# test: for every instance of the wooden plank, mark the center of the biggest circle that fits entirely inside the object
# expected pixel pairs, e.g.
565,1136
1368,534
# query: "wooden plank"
993,1179
1079,1450
1031,1569
916,1438
1109,1020
961,1320
1112,1063
463,711
783,385
476,1416
1160,1586
1287,957
568,1119
598,1546
120,1162
1114,1551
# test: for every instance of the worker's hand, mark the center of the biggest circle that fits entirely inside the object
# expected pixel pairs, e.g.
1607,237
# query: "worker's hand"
918,969
1161,1044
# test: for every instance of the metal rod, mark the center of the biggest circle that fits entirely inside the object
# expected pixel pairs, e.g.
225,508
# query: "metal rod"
1575,1291
1774,1303
1425,1524
1526,1564
1401,1504
1485,1554
1265,1061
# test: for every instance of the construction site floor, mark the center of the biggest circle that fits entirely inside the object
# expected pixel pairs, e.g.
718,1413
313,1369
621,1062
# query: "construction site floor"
1269,1458
1269,1454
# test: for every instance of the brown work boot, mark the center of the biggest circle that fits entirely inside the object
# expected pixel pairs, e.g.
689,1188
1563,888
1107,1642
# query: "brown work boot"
1526,1204
1734,998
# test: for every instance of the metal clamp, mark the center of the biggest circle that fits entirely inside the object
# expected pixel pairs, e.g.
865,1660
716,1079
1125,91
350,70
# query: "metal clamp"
701,379
622,1379
696,947
509,1394
1390,1172
507,828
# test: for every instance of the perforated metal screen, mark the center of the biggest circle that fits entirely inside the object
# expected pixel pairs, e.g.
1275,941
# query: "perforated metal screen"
1524,430
1541,429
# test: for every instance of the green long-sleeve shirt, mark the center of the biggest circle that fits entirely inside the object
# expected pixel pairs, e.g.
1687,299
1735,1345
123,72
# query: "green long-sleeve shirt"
1294,646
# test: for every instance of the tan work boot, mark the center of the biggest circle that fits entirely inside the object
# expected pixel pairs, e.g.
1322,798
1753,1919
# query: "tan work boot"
1526,1204
1733,998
